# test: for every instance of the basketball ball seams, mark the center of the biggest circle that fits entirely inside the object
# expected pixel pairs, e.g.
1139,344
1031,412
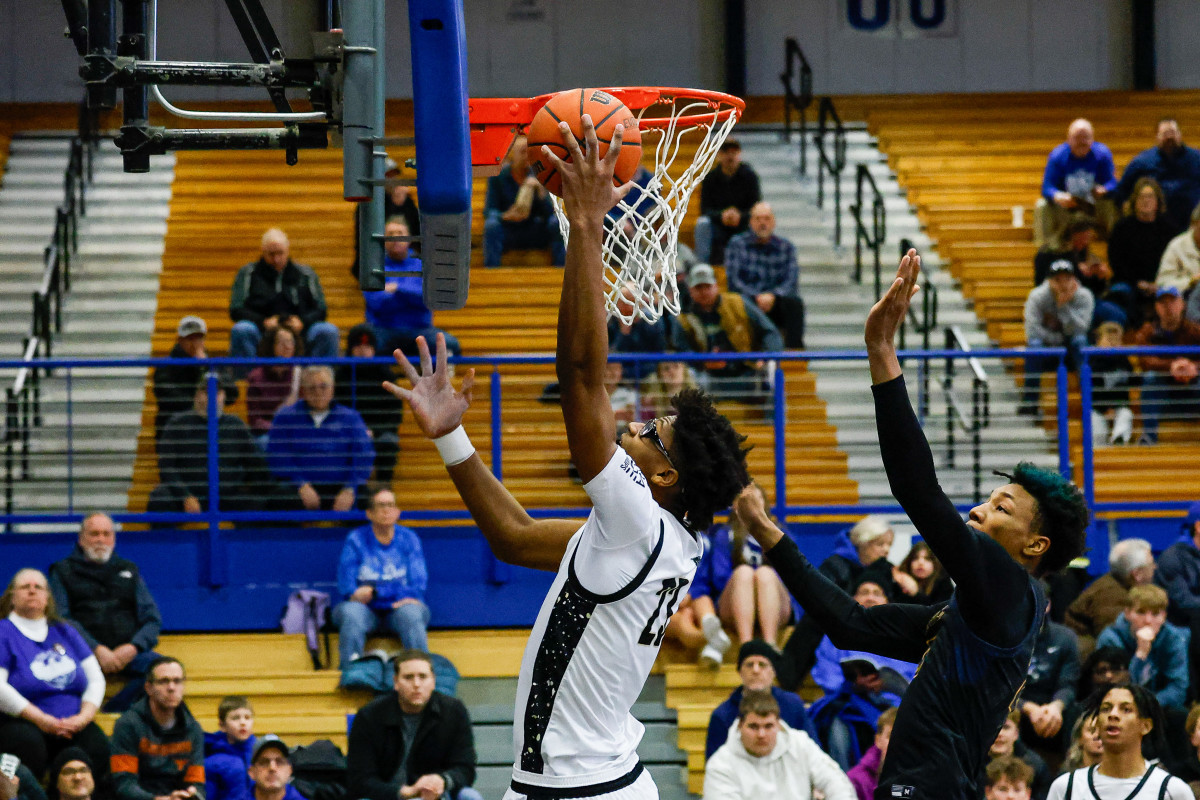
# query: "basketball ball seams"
569,106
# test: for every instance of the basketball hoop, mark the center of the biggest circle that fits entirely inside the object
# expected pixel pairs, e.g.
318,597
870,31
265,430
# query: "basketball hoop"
642,231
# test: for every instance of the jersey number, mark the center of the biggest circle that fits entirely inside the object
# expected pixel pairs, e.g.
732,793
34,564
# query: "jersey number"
668,596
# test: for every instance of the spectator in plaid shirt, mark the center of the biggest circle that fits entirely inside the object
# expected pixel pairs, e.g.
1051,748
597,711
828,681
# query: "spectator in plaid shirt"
762,266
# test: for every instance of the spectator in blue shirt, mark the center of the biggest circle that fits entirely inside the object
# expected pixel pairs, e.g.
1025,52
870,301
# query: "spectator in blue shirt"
1080,175
756,668
320,447
762,266
1176,168
381,580
398,312
517,213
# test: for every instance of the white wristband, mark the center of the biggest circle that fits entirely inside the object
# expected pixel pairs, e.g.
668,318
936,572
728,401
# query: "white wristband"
455,447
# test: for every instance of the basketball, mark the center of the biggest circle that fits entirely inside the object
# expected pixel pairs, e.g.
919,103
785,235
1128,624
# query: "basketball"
606,111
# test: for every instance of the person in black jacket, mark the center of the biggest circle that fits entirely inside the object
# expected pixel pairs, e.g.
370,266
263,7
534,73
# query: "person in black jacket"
360,386
245,482
412,742
108,602
174,384
273,291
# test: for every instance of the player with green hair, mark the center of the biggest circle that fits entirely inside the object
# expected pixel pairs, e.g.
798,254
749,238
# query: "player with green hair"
974,650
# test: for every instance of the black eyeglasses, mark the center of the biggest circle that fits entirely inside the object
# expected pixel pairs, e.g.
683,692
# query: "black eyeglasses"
650,431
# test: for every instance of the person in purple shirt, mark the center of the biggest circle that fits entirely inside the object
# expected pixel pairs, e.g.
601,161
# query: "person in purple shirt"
320,447
864,776
1080,175
398,313
381,579
51,684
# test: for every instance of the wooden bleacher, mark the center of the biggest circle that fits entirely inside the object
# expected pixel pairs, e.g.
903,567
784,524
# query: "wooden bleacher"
292,699
965,161
222,202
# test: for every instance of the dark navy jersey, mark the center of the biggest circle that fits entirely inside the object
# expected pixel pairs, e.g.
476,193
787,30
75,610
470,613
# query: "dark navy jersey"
954,708
974,650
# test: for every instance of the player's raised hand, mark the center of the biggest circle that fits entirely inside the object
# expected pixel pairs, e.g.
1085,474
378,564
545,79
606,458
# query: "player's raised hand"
587,179
437,406
888,314
751,509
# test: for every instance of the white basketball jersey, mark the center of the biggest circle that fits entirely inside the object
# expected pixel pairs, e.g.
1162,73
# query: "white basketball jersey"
598,633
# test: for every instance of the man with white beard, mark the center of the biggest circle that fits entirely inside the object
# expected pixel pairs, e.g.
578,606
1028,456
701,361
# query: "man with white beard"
107,601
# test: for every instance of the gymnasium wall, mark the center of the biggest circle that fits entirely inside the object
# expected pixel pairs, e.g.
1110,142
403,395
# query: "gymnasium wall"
522,47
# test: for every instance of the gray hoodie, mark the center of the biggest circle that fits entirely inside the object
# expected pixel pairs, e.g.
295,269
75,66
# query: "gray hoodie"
1074,318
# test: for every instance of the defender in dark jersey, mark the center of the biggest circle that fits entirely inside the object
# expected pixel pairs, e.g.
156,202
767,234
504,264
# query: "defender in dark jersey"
974,650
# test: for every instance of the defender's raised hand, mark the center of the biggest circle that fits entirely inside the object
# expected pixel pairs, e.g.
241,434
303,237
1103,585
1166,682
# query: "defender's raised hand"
887,316
437,406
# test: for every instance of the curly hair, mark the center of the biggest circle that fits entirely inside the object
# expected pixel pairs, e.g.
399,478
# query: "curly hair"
709,455
1060,514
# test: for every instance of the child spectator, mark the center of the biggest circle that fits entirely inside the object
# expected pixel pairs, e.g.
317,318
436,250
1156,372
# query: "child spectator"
921,578
865,774
270,388
1157,648
1008,778
1008,743
227,752
1112,377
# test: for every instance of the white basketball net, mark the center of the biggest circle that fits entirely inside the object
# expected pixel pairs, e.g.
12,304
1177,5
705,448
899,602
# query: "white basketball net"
642,231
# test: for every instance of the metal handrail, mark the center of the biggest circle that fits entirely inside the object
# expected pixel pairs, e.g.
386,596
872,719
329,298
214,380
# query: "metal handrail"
800,101
834,164
875,236
972,423
22,410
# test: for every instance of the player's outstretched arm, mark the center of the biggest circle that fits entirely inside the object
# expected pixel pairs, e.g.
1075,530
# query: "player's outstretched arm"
896,630
438,408
988,580
588,194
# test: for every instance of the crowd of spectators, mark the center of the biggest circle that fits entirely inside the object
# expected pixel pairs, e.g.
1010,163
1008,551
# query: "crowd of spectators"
1133,628
1143,294
91,620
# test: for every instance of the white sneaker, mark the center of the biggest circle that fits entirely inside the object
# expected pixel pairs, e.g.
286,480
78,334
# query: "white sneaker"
715,634
1100,432
711,657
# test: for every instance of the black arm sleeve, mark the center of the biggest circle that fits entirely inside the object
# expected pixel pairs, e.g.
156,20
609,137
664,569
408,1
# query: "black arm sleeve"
896,630
993,589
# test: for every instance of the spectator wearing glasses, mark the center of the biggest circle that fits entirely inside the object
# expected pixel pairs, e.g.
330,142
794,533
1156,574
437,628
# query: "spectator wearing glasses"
320,447
381,579
157,745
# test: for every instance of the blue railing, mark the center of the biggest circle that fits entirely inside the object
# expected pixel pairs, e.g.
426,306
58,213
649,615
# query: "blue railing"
775,408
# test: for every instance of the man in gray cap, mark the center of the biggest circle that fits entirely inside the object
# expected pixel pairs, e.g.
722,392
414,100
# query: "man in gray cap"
174,384
726,322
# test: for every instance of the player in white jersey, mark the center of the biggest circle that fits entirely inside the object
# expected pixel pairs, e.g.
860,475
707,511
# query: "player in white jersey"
1125,715
620,575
